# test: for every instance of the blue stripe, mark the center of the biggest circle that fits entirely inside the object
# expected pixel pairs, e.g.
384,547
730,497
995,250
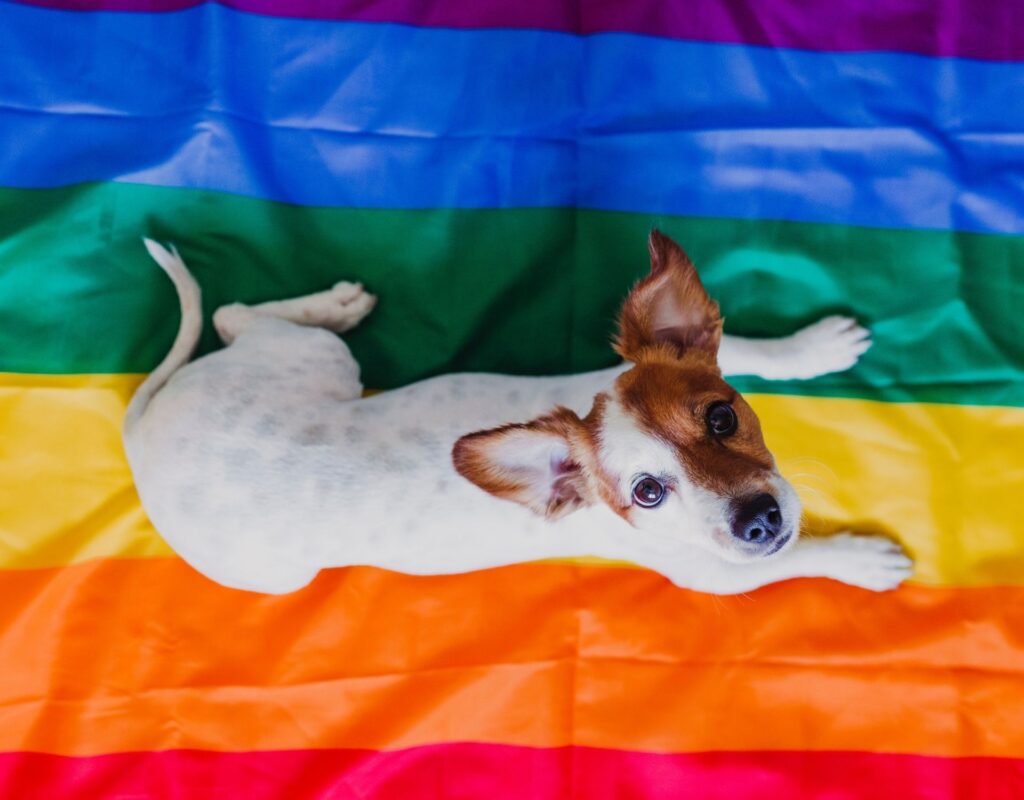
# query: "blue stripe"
352,114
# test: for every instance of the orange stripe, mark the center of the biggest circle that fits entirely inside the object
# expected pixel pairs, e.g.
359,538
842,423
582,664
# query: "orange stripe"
128,655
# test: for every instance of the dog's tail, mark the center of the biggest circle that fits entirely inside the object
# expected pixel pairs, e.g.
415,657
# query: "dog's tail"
188,333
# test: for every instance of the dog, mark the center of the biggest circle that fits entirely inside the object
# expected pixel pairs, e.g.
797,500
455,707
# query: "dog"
262,463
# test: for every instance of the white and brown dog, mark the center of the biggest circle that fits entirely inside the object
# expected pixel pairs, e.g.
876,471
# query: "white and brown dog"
262,464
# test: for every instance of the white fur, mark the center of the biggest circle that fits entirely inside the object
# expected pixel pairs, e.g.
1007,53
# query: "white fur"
261,464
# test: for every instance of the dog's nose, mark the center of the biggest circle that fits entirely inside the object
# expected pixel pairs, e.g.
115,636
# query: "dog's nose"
757,519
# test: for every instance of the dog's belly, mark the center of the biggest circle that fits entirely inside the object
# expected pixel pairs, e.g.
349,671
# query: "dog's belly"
258,476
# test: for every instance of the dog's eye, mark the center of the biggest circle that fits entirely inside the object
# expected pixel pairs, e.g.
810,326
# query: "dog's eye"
721,419
648,492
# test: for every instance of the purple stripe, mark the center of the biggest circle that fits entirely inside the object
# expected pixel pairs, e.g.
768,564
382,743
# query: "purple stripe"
982,29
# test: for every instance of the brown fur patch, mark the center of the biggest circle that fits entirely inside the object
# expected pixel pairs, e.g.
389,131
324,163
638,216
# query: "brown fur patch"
669,308
602,485
670,399
671,330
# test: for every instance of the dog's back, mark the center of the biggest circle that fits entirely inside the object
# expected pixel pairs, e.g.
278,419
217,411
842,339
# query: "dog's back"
255,463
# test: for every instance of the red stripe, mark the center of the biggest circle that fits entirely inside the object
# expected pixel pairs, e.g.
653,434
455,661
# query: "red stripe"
495,772
968,28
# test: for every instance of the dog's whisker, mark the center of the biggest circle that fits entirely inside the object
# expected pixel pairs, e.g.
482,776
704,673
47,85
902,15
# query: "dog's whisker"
802,461
808,475
811,490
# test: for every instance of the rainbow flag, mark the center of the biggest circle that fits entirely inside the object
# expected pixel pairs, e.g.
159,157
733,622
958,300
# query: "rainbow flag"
491,169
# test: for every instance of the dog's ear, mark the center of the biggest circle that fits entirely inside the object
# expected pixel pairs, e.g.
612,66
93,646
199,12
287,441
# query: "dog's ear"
669,307
531,464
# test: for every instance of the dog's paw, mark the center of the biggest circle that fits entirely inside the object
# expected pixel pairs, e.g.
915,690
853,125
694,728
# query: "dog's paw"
832,344
231,320
871,562
344,306
345,293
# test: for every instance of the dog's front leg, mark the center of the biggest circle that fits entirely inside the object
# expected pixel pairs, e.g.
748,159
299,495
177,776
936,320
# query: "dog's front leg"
870,562
829,345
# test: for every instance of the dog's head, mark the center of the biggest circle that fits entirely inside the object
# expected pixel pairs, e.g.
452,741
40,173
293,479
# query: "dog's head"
672,448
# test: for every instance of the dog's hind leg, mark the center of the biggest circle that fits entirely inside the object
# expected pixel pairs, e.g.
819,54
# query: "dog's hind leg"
832,344
338,309
280,332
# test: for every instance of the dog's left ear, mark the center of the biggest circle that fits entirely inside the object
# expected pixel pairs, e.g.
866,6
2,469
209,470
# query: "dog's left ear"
531,464
669,307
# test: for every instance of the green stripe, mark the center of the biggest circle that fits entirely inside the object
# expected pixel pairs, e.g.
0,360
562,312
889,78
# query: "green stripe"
511,290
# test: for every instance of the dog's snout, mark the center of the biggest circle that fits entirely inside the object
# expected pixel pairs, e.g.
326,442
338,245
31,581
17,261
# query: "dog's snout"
757,520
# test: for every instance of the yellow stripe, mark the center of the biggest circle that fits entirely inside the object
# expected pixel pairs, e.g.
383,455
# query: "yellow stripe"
946,480
67,492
